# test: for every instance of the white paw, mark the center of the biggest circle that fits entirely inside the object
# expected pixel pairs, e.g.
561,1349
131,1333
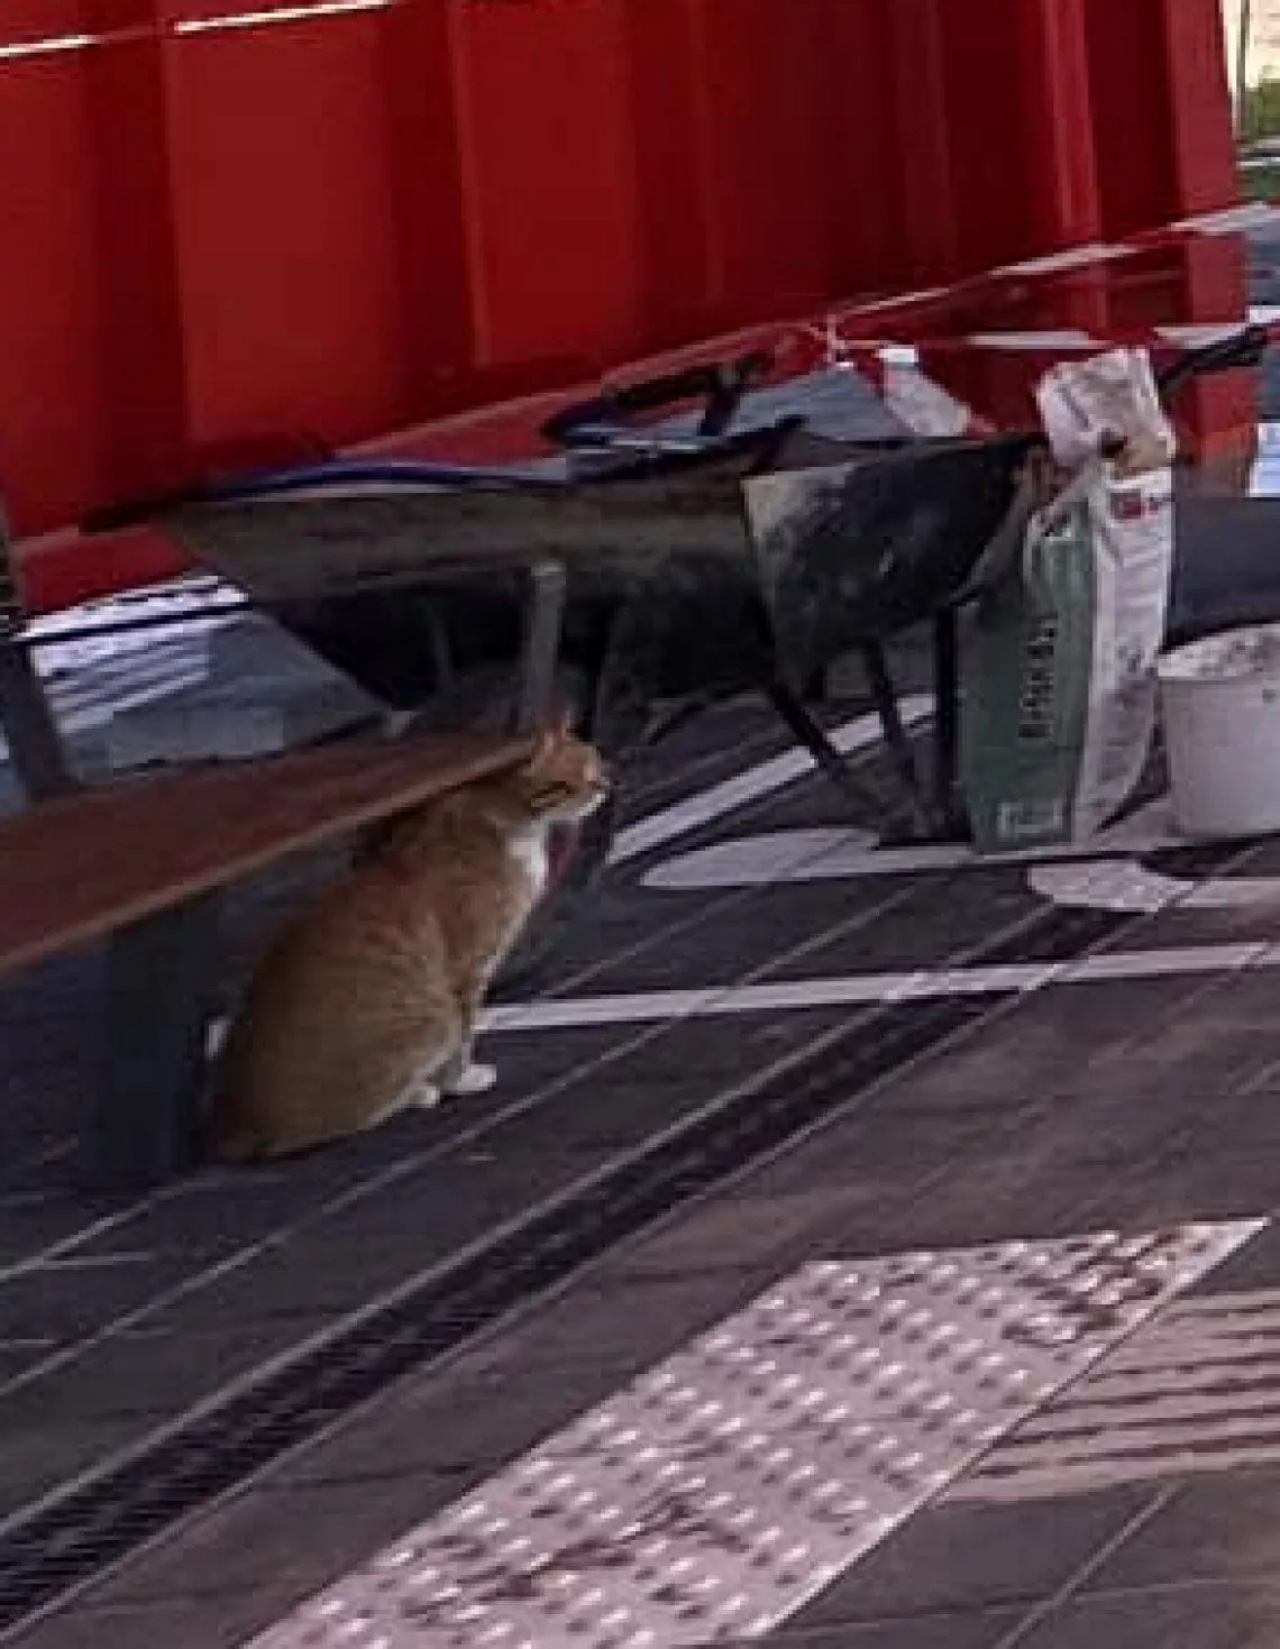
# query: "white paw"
426,1096
475,1079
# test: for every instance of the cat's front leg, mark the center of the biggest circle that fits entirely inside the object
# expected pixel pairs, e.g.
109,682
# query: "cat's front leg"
462,1076
423,1095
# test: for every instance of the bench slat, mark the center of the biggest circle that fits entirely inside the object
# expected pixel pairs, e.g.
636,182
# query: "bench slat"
76,868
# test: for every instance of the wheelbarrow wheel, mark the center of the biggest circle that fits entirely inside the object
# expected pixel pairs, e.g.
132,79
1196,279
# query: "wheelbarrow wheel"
482,701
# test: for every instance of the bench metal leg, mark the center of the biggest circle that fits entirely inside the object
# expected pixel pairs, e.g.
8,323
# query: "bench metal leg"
144,1125
36,749
946,761
35,744
540,652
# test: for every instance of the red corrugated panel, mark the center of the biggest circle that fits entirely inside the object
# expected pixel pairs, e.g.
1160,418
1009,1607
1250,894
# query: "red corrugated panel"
53,438
349,217
549,180
285,213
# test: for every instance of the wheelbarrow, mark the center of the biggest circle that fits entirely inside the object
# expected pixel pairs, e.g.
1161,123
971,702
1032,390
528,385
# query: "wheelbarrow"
627,575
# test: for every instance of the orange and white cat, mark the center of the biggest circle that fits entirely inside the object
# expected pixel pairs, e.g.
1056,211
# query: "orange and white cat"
366,1004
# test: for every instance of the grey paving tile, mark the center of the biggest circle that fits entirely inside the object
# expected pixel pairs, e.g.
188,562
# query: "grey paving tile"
955,1557
17,1359
32,1224
1052,1041
1185,1617
70,1300
978,1629
734,937
274,1546
221,1623
1218,1528
348,1258
778,1231
1240,1114
42,1456
1041,1138
499,1398
154,1371
626,921
216,1214
895,923
257,1208
303,1278
1192,1178
706,1051
1216,1038
630,1097
532,1060
591,1117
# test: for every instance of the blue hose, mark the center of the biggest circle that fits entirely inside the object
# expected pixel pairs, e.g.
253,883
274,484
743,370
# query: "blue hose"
393,472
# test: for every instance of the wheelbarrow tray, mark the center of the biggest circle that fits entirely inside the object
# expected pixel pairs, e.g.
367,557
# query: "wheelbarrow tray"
743,572
611,529
862,550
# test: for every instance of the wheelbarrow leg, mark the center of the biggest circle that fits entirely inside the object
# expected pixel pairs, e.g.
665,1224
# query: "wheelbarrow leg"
540,649
36,748
830,763
896,736
946,799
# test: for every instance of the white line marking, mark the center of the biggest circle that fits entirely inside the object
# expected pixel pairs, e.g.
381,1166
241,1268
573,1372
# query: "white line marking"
1059,338
1087,875
860,990
52,46
266,17
1125,885
1074,257
863,733
772,857
779,856
1230,220
714,1496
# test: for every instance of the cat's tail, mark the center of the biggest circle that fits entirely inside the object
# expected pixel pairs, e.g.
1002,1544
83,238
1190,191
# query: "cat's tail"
224,1138
229,1146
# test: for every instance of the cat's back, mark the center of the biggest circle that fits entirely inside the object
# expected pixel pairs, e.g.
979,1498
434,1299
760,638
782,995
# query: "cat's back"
476,868
341,1003
330,1005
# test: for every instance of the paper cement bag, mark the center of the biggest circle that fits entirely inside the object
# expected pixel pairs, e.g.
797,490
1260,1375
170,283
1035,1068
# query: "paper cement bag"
1109,397
1058,666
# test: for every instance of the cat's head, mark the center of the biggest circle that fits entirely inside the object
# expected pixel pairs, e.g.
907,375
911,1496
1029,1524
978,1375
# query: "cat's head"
564,779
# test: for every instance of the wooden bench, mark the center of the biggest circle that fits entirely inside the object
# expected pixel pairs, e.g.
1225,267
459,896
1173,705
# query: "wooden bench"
141,864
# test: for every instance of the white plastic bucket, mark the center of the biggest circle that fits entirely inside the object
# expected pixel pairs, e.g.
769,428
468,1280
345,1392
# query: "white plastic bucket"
1221,704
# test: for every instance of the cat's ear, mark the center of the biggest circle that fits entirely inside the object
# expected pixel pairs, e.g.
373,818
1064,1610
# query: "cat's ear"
551,737
543,746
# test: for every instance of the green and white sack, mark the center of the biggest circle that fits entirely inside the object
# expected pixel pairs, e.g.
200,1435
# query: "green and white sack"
1058,664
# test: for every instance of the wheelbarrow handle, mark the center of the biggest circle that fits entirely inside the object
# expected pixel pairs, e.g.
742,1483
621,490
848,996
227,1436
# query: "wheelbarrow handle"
264,484
721,384
1242,349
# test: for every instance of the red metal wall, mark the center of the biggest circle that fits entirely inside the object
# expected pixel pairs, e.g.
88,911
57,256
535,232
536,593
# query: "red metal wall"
354,216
